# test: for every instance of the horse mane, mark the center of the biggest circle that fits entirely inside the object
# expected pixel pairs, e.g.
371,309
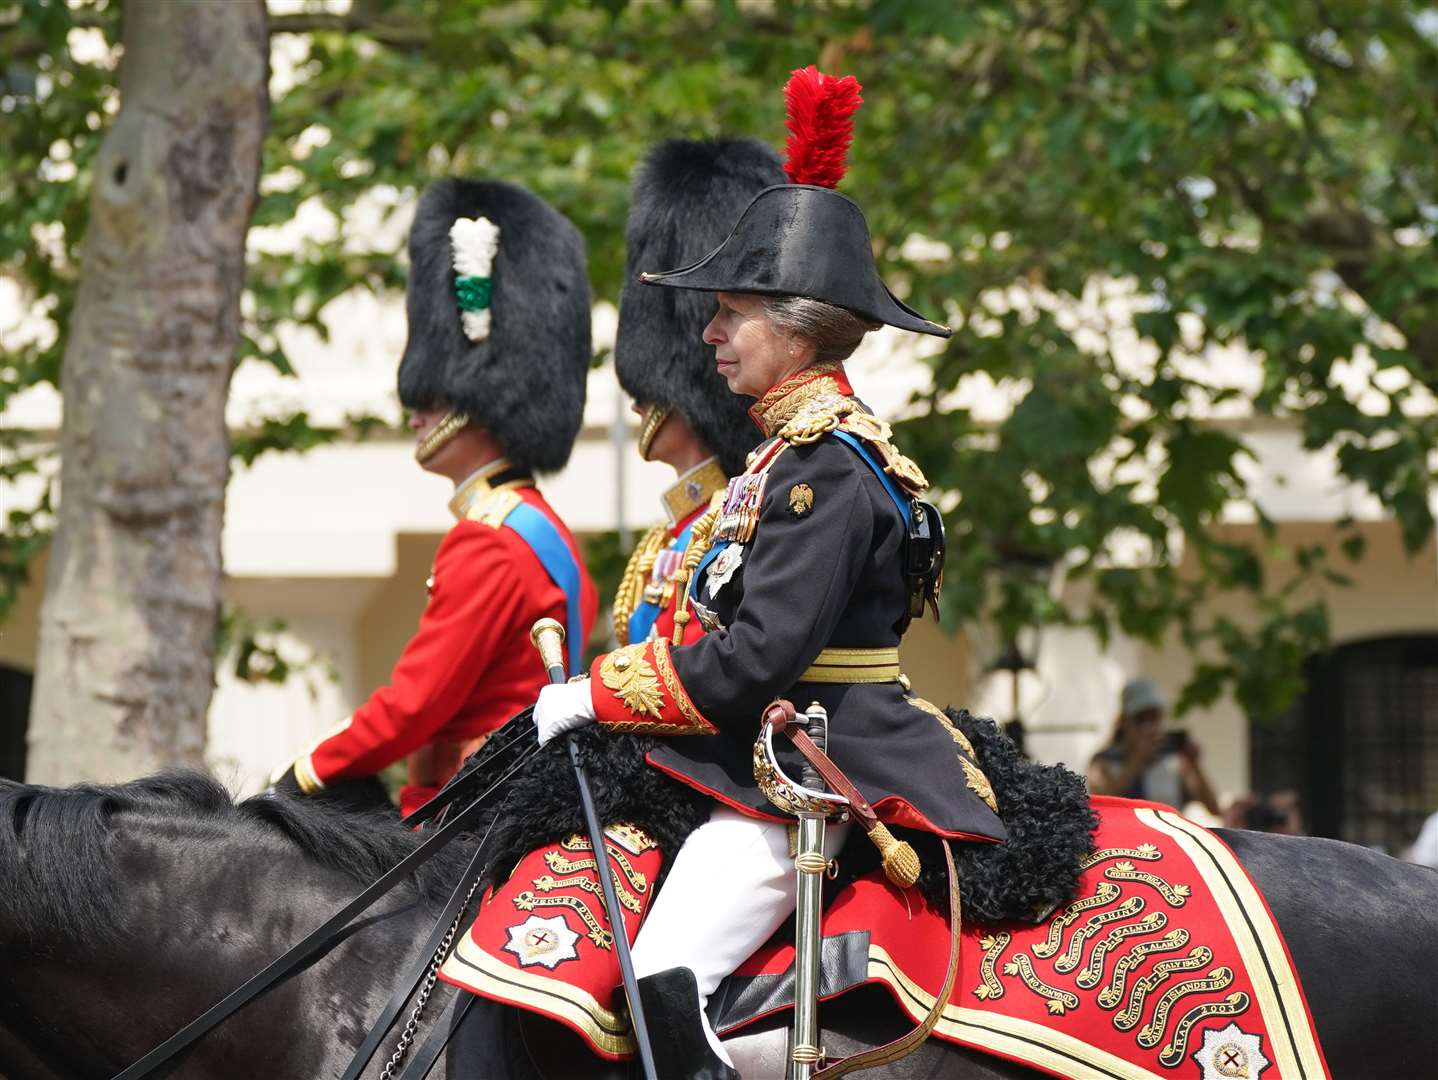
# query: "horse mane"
57,856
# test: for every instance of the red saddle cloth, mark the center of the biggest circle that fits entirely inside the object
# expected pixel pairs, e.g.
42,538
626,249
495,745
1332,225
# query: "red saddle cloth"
1167,963
541,941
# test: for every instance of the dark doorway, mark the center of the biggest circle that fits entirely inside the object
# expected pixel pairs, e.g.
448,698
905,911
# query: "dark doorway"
15,686
1361,746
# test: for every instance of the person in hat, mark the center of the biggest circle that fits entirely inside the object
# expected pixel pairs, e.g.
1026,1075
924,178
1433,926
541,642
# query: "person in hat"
1143,761
815,571
493,375
686,195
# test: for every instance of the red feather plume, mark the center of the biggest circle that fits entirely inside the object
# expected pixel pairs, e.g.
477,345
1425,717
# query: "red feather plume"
821,125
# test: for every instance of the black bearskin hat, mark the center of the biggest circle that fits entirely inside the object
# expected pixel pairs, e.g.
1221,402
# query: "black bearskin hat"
686,196
520,372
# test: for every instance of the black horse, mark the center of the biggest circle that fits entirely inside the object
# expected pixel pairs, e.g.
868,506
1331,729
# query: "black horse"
126,910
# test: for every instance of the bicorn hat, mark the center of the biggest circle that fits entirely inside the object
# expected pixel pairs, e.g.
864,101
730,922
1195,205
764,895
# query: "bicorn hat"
804,238
685,198
499,317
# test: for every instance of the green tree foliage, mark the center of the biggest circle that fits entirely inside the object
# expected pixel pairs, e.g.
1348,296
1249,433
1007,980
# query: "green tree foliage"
1108,190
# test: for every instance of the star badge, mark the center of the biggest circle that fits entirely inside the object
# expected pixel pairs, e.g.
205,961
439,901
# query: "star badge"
723,567
1231,1054
542,941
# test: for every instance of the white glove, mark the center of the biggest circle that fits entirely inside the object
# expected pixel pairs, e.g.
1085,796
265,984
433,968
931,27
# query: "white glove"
563,707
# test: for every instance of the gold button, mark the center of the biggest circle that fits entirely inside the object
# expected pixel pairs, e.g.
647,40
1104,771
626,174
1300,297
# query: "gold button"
622,661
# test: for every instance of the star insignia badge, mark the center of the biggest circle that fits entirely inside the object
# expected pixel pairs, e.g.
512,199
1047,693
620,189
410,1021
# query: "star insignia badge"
542,941
1231,1054
723,567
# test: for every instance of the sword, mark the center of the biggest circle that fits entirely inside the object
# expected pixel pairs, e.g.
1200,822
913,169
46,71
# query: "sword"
548,638
810,865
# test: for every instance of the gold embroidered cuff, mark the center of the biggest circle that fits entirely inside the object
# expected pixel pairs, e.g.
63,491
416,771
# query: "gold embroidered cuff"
645,694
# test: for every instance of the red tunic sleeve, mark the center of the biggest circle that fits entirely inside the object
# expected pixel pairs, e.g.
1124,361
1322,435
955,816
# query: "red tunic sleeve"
479,593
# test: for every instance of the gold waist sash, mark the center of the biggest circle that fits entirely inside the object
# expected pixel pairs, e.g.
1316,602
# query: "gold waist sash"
853,666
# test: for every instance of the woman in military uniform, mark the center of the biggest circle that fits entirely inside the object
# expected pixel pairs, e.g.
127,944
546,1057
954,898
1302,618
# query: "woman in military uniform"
804,593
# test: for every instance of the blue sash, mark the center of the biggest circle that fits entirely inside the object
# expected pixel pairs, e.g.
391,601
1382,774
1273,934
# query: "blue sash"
559,563
901,502
645,613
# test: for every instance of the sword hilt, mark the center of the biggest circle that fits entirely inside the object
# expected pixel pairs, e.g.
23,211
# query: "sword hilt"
816,724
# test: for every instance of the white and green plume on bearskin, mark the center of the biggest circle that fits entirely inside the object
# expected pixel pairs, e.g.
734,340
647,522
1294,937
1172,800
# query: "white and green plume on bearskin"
498,331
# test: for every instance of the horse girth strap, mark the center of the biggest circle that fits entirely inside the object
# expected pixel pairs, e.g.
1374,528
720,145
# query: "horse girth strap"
905,1045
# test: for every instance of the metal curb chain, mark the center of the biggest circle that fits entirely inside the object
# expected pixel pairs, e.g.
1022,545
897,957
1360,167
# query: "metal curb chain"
411,1027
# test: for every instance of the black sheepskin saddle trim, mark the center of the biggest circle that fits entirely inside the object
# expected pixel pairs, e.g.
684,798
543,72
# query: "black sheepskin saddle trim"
1045,807
1050,829
541,803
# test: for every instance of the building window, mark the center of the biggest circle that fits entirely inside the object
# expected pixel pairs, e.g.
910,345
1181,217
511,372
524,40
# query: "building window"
1361,746
15,688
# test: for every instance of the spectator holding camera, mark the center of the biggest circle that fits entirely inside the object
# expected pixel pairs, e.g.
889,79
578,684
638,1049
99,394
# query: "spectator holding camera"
1143,761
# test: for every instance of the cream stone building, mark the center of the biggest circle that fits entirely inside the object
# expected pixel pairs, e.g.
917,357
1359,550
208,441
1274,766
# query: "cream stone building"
336,544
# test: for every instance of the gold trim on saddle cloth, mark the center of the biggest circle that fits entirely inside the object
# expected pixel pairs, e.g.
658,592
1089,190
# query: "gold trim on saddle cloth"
1290,1042
844,666
473,968
1021,1040
1279,998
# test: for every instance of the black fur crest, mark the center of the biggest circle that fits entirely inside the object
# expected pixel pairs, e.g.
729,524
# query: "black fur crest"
686,198
526,382
58,849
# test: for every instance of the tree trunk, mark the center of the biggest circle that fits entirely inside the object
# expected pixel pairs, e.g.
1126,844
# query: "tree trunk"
132,596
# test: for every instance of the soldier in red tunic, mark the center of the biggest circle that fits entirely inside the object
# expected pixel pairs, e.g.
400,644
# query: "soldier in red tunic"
494,376
686,195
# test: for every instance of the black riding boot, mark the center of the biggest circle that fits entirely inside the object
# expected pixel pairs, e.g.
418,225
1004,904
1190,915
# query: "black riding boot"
671,1012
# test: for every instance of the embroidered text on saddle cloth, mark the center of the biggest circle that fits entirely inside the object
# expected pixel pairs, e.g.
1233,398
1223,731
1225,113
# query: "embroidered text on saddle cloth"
541,940
1166,964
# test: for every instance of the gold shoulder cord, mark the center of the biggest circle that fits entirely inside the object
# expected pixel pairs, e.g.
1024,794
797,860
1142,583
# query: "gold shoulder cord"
878,435
700,541
636,575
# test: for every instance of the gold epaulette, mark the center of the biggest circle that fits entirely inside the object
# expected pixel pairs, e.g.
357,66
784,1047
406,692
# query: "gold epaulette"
877,435
828,410
493,509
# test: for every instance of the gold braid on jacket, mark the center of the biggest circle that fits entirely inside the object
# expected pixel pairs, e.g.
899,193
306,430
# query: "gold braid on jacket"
700,541
636,577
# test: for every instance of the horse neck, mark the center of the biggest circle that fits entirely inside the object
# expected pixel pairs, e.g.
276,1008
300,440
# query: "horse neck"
194,917
18,1061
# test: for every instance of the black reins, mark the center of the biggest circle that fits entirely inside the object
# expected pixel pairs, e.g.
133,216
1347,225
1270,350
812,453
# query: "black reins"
328,934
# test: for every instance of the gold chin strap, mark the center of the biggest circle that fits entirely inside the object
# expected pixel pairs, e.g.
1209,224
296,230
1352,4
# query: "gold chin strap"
654,417
451,425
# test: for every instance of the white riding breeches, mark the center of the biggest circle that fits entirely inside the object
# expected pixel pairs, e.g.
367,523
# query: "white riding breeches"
733,883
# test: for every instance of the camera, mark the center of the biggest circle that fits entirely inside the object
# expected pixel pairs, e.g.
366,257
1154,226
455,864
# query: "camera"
1174,742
